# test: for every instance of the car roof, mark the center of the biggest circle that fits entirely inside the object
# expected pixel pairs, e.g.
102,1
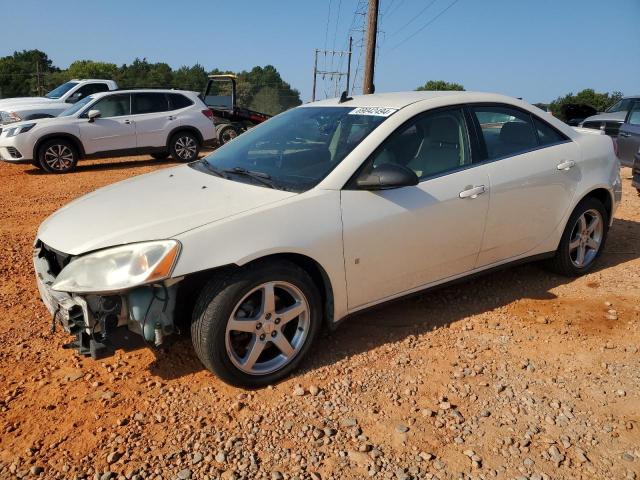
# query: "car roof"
402,99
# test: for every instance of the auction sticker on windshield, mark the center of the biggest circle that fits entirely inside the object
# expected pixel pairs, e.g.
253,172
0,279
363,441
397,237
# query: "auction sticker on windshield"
375,111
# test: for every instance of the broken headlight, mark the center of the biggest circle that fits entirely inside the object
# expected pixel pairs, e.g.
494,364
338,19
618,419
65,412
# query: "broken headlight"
119,268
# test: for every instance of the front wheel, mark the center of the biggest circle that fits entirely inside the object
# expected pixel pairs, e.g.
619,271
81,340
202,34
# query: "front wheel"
184,147
58,156
253,326
583,239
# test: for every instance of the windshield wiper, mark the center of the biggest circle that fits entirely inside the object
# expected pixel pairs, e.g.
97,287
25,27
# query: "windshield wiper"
263,178
212,169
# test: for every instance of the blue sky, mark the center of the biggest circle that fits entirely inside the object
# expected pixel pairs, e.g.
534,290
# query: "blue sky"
536,49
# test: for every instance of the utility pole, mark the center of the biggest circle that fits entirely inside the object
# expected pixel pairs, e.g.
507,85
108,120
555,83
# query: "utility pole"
38,89
370,59
332,74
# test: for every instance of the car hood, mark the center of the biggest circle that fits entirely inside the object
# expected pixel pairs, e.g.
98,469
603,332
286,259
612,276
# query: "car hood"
22,101
614,116
154,206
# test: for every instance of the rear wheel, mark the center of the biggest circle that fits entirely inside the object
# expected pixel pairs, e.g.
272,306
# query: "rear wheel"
254,326
184,147
58,156
583,239
226,133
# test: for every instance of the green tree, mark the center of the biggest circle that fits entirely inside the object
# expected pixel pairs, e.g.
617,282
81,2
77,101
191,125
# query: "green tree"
91,69
190,78
18,72
588,96
440,85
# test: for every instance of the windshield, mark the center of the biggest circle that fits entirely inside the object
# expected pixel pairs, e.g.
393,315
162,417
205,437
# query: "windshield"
620,106
76,107
296,149
61,90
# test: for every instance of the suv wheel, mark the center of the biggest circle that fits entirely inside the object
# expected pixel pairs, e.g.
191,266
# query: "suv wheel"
184,147
583,239
58,156
253,326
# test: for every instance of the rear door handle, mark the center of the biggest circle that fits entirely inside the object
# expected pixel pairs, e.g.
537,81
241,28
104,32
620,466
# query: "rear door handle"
624,134
171,117
472,192
566,165
128,122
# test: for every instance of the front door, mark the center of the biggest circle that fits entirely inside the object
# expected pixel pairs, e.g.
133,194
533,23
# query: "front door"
629,136
113,130
402,239
533,172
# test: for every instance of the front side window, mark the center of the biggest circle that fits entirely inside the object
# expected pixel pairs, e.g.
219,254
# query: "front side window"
149,103
431,144
294,150
506,131
90,89
60,90
634,114
113,106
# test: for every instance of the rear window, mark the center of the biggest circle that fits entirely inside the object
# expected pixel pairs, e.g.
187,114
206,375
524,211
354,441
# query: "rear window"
149,103
177,101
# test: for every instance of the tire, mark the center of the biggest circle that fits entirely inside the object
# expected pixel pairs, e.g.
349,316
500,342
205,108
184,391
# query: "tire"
567,257
238,297
160,155
58,156
184,147
226,134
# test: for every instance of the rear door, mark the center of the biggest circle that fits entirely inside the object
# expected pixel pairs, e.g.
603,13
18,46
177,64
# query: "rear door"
533,171
152,117
113,130
629,136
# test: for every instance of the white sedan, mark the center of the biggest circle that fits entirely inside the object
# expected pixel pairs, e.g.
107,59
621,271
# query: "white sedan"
321,212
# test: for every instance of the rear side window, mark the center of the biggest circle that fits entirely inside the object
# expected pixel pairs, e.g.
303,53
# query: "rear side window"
149,103
506,131
547,134
177,101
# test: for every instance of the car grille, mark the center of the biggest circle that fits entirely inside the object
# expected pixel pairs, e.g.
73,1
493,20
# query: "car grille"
56,260
14,152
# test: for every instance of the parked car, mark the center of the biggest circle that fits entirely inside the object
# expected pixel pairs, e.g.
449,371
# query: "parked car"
53,103
159,122
320,212
610,120
629,135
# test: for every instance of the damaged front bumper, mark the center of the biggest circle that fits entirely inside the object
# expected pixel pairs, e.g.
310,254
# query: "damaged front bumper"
94,319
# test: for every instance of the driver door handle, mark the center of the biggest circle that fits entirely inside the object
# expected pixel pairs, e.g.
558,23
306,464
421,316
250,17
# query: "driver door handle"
624,134
472,192
566,165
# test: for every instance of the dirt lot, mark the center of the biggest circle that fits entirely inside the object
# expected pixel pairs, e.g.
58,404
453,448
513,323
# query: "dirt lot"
518,374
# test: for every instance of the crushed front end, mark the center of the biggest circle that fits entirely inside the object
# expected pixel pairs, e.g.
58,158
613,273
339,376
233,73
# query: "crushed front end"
95,319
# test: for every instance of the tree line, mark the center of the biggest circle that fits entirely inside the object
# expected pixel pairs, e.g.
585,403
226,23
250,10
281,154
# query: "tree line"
28,72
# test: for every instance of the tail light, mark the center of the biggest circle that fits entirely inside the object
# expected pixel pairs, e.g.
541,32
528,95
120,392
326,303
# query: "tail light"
208,113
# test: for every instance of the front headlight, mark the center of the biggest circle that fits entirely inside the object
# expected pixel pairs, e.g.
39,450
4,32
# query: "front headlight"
12,132
119,268
9,117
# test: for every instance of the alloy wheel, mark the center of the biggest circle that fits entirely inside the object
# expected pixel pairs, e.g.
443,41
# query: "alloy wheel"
586,238
186,147
58,157
267,328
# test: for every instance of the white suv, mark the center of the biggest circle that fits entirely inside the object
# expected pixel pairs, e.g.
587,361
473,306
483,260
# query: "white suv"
159,122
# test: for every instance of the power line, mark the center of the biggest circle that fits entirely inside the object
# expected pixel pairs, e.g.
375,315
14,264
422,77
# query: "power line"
414,18
389,13
426,24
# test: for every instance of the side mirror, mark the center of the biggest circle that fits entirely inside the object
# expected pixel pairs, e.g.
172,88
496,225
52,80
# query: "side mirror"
74,98
386,176
93,114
